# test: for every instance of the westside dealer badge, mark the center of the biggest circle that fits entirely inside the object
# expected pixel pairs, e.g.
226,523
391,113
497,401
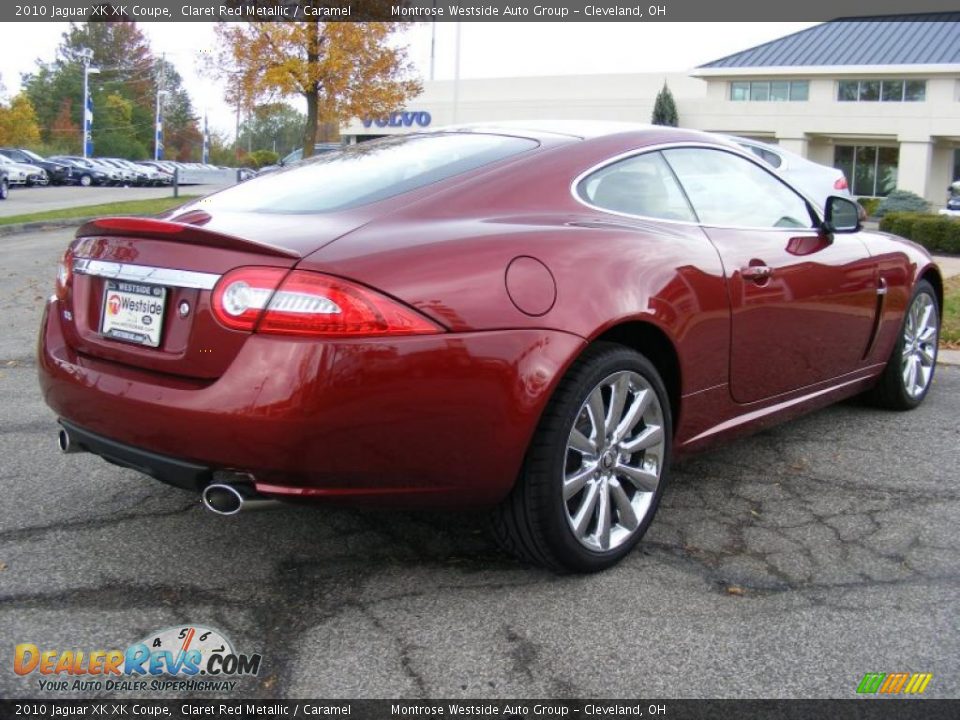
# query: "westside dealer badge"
133,312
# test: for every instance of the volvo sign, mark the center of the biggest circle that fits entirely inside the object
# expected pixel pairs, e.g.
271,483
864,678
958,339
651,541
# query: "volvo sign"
404,118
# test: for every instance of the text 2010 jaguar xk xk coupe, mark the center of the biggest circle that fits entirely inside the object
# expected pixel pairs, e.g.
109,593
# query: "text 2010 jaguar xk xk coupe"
534,320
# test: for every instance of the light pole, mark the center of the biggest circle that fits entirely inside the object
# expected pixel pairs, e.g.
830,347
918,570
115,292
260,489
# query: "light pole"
158,140
86,55
456,75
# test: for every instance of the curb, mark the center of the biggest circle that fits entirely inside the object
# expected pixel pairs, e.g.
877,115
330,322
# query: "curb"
39,225
948,357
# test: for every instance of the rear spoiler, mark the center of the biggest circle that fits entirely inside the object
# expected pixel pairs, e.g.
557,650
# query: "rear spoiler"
188,233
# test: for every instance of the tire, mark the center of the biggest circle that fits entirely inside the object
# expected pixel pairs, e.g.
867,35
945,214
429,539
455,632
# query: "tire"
536,522
86,180
4,190
898,387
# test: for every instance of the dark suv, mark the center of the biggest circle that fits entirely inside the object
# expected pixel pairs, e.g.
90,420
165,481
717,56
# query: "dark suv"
58,173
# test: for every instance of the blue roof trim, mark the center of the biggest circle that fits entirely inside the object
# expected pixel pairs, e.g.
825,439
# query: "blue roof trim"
921,39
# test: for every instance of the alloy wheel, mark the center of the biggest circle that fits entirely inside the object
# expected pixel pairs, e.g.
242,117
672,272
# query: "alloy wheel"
614,461
919,345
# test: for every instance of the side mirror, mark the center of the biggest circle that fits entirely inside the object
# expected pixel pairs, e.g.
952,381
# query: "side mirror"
841,215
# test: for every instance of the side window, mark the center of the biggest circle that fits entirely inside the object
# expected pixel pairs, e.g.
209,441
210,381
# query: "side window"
641,185
730,191
770,158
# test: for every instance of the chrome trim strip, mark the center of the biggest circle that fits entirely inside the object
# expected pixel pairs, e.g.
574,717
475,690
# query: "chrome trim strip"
862,374
668,146
145,274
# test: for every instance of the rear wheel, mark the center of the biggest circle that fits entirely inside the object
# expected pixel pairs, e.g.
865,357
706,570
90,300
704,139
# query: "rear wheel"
909,372
596,468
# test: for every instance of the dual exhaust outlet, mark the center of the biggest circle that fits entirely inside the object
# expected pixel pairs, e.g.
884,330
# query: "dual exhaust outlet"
230,492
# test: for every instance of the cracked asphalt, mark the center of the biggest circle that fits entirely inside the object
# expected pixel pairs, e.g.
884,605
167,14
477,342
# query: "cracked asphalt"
784,565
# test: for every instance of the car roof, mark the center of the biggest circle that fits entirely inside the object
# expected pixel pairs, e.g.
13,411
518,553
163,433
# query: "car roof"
582,129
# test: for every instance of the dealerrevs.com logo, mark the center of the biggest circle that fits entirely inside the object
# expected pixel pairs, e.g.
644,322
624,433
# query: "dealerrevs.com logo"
176,658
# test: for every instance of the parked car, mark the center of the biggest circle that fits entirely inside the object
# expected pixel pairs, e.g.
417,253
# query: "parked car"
297,155
83,172
4,183
163,171
58,173
953,200
817,181
535,319
23,173
128,175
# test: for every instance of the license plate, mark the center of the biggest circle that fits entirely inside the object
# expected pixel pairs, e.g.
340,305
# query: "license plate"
133,312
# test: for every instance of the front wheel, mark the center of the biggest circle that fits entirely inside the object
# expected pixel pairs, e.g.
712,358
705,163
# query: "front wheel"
86,180
596,468
4,189
909,372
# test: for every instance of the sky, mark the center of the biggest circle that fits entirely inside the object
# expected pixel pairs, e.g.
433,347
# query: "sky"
499,49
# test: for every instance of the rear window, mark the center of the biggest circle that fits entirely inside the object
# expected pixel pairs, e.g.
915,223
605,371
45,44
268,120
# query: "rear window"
368,172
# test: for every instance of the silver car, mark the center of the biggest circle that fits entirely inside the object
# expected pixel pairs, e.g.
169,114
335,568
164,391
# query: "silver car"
816,181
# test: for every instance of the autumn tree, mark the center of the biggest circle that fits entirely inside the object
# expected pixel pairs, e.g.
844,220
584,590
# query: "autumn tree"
665,109
18,123
128,69
341,69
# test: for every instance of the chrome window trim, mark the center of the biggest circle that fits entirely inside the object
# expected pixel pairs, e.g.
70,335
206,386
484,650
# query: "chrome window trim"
169,277
677,145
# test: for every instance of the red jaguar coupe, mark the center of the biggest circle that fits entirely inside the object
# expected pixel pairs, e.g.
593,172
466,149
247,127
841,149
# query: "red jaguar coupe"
530,319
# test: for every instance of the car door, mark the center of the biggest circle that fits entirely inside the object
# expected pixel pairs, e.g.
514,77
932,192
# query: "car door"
803,301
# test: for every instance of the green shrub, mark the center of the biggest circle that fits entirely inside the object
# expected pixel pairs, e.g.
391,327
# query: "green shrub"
869,204
937,233
902,201
931,232
899,223
259,158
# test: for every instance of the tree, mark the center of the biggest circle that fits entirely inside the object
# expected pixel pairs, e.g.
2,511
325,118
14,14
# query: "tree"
273,126
114,134
341,69
665,109
18,123
128,70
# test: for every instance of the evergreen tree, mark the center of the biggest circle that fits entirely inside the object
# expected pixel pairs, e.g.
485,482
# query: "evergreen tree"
665,109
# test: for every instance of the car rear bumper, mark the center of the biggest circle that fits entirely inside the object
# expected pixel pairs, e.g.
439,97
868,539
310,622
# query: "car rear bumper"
439,420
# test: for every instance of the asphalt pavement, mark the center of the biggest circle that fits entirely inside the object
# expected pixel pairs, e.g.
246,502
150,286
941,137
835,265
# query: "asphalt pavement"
784,565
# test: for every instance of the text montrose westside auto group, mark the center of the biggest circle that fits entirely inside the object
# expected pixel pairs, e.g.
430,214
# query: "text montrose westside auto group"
514,11
520,710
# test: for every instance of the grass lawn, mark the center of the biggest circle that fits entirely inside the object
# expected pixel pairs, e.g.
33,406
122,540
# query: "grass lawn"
128,207
950,330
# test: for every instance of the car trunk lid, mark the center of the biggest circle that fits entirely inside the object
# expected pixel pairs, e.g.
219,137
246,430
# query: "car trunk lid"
140,292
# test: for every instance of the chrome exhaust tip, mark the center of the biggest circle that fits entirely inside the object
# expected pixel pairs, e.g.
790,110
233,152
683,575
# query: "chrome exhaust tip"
66,444
222,499
225,498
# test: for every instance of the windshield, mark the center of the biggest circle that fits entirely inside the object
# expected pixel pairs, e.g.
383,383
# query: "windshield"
366,173
31,155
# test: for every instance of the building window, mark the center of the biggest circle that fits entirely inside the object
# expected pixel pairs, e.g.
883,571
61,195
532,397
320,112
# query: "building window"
872,170
775,90
881,90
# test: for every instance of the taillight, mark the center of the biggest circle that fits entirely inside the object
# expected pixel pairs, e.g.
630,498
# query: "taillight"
64,275
309,304
840,183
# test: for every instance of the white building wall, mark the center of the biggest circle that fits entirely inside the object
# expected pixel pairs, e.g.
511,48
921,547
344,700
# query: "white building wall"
927,132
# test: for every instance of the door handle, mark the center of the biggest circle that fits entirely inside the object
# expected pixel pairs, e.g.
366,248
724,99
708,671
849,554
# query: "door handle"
757,273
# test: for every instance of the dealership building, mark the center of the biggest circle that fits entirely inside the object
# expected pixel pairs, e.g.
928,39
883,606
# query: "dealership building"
877,98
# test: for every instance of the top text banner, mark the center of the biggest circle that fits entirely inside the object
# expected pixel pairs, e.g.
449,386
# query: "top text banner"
454,10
